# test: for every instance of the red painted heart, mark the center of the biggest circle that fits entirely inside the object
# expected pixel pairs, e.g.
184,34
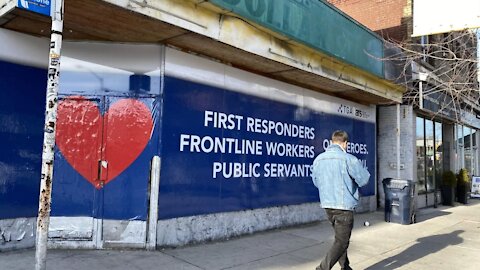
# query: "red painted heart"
85,137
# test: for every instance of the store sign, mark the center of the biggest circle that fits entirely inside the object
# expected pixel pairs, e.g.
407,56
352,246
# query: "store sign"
475,193
442,16
317,25
226,151
37,6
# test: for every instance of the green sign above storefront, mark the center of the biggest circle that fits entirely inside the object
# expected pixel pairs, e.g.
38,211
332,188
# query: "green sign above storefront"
317,25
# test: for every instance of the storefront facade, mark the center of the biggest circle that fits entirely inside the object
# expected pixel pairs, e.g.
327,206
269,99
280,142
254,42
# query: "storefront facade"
235,148
431,144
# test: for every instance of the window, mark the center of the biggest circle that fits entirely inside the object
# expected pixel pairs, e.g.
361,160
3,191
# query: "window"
430,154
475,160
459,151
91,68
467,142
439,153
474,138
425,42
420,146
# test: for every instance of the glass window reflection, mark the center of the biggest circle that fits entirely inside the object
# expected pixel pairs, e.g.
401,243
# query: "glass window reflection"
429,154
110,68
475,156
420,146
438,153
459,157
467,148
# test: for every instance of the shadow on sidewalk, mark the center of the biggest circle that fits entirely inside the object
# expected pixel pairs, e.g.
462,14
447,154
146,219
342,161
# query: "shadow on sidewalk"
425,246
426,214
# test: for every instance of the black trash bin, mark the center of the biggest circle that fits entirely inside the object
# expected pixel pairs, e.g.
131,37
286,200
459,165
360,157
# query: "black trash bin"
399,200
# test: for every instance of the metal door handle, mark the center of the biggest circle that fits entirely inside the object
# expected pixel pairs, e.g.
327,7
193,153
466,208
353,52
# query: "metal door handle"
102,172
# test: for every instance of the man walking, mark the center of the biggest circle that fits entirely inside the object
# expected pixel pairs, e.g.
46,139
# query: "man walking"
338,175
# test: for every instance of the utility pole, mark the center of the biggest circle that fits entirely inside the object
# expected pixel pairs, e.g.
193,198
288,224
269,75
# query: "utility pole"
45,200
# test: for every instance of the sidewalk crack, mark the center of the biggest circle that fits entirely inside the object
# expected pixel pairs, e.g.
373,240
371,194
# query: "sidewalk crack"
183,260
272,256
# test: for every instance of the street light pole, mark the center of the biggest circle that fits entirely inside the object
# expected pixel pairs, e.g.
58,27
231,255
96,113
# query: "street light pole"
422,77
43,218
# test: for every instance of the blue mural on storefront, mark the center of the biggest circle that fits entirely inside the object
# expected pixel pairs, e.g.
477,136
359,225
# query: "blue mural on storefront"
228,151
221,150
117,130
21,137
127,145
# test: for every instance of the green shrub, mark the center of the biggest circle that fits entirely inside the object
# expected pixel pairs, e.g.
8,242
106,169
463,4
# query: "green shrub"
449,179
463,178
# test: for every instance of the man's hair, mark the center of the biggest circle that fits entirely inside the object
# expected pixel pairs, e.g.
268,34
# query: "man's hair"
339,136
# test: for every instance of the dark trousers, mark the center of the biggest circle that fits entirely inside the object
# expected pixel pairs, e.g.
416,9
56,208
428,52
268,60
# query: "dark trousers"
342,222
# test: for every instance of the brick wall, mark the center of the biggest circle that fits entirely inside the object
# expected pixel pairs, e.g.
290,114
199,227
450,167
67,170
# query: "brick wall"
387,145
390,18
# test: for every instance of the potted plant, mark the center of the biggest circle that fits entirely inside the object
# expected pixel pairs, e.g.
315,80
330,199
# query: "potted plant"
463,186
449,182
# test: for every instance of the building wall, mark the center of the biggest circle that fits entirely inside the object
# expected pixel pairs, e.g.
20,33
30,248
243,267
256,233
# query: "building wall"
17,233
449,146
22,108
253,96
392,19
193,205
387,151
387,146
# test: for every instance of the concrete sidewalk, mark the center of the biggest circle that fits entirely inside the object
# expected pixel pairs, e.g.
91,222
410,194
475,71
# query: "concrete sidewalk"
443,238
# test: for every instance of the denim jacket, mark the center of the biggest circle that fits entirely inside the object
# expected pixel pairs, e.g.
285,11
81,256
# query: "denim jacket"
338,175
